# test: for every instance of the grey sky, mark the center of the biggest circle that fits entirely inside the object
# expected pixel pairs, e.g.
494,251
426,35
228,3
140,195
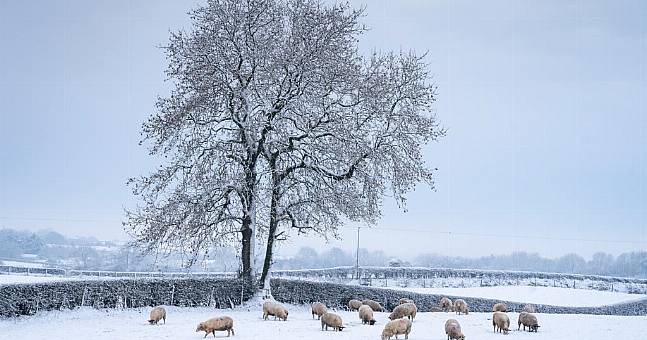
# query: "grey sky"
543,102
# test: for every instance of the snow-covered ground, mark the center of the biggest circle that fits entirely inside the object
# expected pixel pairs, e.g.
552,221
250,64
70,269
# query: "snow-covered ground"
540,295
94,324
11,278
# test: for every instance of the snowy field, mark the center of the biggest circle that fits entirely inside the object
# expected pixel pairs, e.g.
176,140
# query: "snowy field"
540,295
11,278
94,324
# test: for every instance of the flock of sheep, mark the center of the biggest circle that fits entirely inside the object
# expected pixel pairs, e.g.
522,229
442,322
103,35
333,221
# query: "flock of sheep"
397,326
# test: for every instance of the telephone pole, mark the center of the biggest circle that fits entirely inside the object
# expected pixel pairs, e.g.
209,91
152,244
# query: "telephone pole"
357,257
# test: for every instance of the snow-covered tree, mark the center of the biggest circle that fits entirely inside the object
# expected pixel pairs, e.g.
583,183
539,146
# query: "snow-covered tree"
277,123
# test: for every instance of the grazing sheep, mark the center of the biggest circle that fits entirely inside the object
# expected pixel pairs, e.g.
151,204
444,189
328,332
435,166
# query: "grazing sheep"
408,309
405,300
501,322
446,304
396,327
158,313
366,315
331,320
528,320
354,305
529,308
453,330
318,309
222,323
375,306
275,309
460,306
500,307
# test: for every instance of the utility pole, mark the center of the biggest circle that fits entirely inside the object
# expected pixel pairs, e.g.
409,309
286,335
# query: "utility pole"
357,257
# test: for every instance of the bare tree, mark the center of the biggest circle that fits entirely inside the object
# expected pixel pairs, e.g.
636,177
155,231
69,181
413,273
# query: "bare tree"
277,123
360,141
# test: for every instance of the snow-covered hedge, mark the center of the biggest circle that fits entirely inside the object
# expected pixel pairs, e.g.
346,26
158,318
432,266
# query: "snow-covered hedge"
338,295
27,299
444,277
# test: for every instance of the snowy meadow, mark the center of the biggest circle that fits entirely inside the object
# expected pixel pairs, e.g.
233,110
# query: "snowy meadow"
87,323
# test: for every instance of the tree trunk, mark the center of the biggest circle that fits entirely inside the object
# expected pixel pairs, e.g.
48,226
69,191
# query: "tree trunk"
246,232
274,223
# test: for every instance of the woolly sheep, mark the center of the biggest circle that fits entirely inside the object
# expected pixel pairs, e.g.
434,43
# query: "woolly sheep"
453,330
395,328
366,315
501,322
500,307
354,305
460,306
158,313
529,308
528,320
275,309
408,309
405,300
318,309
446,304
222,323
375,306
331,320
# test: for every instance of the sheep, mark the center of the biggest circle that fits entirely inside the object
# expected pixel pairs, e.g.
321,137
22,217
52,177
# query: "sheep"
453,330
222,323
396,327
275,309
405,300
529,308
408,309
366,315
331,320
158,313
446,304
500,307
354,305
529,320
501,322
375,306
460,306
318,309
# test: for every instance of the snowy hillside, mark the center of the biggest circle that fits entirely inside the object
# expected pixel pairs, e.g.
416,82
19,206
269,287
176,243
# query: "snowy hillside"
131,324
539,295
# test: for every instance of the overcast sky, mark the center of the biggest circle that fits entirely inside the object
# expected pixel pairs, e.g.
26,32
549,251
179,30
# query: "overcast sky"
543,101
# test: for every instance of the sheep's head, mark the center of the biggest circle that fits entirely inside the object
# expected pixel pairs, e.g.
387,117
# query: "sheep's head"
341,327
200,327
151,321
371,322
386,334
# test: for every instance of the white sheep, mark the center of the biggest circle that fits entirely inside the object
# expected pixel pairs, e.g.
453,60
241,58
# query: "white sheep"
528,308
395,328
500,307
366,315
453,330
318,309
460,306
158,313
528,320
501,322
331,320
405,300
376,306
408,309
223,323
275,309
354,305
446,304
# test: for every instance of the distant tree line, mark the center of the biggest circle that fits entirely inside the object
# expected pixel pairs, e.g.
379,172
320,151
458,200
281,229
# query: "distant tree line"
630,264
50,248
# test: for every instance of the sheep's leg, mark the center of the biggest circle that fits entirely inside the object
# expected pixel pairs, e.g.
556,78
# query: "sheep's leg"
214,333
232,332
